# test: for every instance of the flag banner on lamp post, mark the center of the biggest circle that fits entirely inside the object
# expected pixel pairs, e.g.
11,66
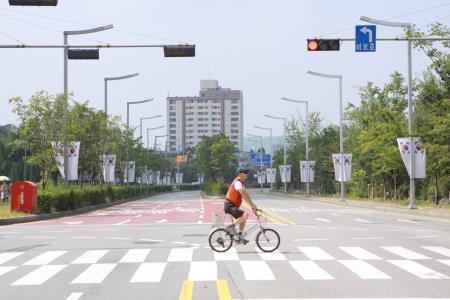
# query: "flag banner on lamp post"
179,178
148,176
347,162
168,178
285,173
158,177
73,154
271,175
143,174
261,177
131,171
109,167
307,170
419,156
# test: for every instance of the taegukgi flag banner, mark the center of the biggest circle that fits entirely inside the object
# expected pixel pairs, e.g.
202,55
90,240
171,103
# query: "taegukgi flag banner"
307,170
73,154
109,167
128,170
271,175
344,160
157,177
179,178
419,156
261,177
285,173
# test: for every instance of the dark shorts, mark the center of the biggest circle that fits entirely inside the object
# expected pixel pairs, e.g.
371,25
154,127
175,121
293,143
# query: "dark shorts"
231,209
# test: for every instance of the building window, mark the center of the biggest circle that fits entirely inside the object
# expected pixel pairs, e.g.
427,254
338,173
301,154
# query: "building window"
172,101
234,137
234,107
234,101
172,131
234,125
234,119
173,120
234,130
171,107
172,137
234,113
235,143
172,114
173,125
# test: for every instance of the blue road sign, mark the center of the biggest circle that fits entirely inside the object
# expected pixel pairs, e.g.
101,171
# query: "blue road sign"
256,161
365,38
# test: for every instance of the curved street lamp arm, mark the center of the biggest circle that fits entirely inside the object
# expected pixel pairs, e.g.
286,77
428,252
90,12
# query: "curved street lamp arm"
86,31
384,23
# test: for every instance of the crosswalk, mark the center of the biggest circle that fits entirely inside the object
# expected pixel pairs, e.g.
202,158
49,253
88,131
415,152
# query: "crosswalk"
150,265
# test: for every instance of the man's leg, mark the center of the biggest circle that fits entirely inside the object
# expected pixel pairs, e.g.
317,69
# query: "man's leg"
242,221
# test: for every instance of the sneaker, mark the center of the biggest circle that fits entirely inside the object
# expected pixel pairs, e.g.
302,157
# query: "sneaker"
231,229
241,237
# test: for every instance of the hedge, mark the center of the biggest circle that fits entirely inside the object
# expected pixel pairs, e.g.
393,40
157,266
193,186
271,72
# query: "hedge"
218,188
73,198
189,187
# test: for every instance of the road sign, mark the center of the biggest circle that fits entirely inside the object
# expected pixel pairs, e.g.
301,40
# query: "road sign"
181,158
365,38
256,159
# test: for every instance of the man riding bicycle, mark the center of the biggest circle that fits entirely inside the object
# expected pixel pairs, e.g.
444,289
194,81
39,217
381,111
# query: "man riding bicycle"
233,201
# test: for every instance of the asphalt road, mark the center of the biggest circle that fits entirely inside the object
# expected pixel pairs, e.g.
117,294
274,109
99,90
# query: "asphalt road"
157,248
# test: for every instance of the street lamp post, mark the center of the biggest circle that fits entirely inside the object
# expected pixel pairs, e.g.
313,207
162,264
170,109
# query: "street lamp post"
306,138
106,87
271,147
146,118
341,129
260,156
66,87
153,128
412,189
284,143
156,138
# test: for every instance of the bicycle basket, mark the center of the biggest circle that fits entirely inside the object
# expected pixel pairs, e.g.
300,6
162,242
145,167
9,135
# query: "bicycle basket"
218,218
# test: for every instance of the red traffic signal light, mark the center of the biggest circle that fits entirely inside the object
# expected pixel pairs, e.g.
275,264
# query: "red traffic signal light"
323,45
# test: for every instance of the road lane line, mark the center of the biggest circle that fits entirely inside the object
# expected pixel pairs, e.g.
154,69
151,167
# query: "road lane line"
4,270
222,290
279,217
74,296
367,238
309,270
276,255
180,254
405,253
315,253
40,275
256,270
44,258
186,290
90,257
149,272
94,274
359,253
135,256
123,222
440,250
363,269
6,256
231,254
203,271
362,221
444,261
407,221
82,237
323,220
117,238
417,269
39,237
309,240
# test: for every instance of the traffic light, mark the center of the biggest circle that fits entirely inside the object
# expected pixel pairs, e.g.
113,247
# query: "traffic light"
323,44
179,51
83,54
34,2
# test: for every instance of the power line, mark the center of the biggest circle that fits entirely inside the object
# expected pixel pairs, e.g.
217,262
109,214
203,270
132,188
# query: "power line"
11,37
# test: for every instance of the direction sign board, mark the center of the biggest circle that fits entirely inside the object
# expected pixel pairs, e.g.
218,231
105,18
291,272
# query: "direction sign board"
365,38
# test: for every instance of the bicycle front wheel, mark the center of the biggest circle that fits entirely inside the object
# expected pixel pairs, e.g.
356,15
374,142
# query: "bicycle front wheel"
268,240
220,240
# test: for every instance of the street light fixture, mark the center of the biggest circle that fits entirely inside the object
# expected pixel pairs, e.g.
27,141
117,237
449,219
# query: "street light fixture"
156,138
66,93
306,137
154,128
260,155
412,189
341,128
146,118
106,87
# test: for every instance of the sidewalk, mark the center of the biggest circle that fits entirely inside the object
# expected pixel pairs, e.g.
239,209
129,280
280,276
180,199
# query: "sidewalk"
441,213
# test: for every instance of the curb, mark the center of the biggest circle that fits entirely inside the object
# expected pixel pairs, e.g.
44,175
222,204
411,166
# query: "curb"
66,213
417,212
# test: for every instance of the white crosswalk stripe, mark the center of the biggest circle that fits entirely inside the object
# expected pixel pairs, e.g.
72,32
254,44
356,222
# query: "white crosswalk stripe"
180,254
40,275
417,269
231,254
90,257
256,270
440,250
315,253
405,253
364,270
45,258
95,273
276,255
359,253
149,272
4,270
203,271
135,256
309,270
7,256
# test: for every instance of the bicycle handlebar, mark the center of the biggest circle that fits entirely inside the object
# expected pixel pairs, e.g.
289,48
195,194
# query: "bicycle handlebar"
258,212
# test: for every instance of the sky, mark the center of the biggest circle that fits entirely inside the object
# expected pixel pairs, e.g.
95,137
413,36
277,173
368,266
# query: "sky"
257,46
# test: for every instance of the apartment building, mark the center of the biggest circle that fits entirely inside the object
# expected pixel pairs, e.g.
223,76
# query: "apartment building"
215,110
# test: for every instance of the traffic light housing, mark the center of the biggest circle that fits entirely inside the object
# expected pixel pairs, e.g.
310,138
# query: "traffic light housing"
83,54
179,51
323,44
34,2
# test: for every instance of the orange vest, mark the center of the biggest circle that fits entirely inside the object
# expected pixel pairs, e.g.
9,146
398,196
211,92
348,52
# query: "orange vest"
233,195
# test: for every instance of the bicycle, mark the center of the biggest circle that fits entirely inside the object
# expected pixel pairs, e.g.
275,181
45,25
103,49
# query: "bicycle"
220,239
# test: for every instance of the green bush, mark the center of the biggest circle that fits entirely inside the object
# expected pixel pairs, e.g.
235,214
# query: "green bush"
60,199
218,188
189,187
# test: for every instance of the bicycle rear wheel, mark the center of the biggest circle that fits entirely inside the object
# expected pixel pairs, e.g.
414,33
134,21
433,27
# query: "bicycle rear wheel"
268,240
220,240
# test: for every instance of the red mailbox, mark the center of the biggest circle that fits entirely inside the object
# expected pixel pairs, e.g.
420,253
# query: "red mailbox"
23,196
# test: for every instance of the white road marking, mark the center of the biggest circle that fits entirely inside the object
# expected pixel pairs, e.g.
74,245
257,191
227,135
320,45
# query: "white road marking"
428,230
90,257
6,256
422,237
4,270
74,223
135,256
45,258
200,216
149,240
180,254
55,231
315,253
117,238
444,261
82,237
231,254
149,228
364,270
417,269
358,228
359,253
308,240
138,216
203,271
181,243
367,238
149,272
40,275
123,222
323,220
74,296
362,220
276,255
256,270
161,221
309,270
199,222
94,273
39,237
391,230
440,250
107,229
405,253
335,214
407,221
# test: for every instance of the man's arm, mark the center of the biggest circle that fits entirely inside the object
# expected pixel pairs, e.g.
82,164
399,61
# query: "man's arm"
247,198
